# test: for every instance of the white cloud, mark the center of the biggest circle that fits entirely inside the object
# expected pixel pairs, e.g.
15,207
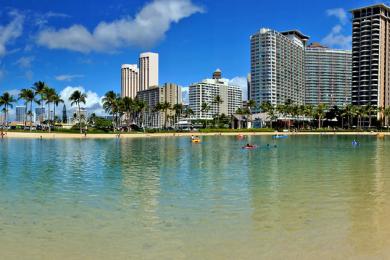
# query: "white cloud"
41,20
184,94
242,83
11,31
337,39
146,29
93,100
339,13
54,14
68,77
25,62
14,92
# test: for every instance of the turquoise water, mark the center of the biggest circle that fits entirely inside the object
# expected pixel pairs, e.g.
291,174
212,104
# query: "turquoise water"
312,197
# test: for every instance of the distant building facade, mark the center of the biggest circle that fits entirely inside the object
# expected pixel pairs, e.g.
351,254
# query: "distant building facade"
328,75
40,114
248,86
277,67
129,80
20,113
370,56
77,115
148,70
139,77
169,92
206,91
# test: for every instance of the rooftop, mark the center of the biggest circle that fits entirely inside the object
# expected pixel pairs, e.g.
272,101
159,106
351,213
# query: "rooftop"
297,33
380,5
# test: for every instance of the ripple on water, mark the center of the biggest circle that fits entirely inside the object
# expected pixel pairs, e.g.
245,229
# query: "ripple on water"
310,197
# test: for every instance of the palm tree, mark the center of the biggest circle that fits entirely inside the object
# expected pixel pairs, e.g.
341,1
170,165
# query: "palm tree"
28,96
140,107
218,101
76,98
188,112
110,105
56,101
6,100
128,107
178,108
39,88
308,112
49,97
204,109
359,111
320,113
269,109
165,106
250,105
386,113
370,109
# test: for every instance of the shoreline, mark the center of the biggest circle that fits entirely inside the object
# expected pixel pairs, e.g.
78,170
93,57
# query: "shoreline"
28,135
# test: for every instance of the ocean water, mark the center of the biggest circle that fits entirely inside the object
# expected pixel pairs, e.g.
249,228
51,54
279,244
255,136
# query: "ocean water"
311,197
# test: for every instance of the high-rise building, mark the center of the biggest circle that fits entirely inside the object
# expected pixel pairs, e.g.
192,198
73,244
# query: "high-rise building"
20,113
206,91
169,92
129,80
370,56
277,66
248,86
64,115
40,114
148,70
328,76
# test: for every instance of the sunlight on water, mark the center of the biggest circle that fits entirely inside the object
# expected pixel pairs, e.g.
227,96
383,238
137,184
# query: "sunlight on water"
311,197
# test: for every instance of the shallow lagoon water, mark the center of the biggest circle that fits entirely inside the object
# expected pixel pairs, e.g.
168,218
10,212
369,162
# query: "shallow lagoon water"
312,197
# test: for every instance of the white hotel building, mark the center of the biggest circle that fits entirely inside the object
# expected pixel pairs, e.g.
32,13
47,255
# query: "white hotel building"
278,66
207,90
139,77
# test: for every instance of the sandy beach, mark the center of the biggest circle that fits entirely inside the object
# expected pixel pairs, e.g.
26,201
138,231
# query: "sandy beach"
33,135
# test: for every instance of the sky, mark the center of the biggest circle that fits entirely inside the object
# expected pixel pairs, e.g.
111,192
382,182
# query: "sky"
82,46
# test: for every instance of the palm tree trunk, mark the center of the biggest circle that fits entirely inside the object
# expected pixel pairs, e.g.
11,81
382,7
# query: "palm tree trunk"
5,116
25,116
31,116
81,131
49,116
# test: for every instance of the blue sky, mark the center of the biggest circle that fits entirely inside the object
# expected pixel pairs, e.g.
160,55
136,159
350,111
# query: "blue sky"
71,45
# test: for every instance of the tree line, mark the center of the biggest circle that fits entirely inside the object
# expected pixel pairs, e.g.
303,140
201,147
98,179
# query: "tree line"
346,117
41,95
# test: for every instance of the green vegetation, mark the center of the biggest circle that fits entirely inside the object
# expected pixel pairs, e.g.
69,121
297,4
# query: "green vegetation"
128,114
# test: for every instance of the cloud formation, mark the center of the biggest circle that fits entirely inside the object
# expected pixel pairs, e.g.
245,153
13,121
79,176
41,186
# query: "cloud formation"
146,29
25,62
337,39
93,104
41,20
10,31
339,13
68,77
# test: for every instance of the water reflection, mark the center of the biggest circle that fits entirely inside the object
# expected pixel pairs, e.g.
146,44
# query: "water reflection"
313,195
